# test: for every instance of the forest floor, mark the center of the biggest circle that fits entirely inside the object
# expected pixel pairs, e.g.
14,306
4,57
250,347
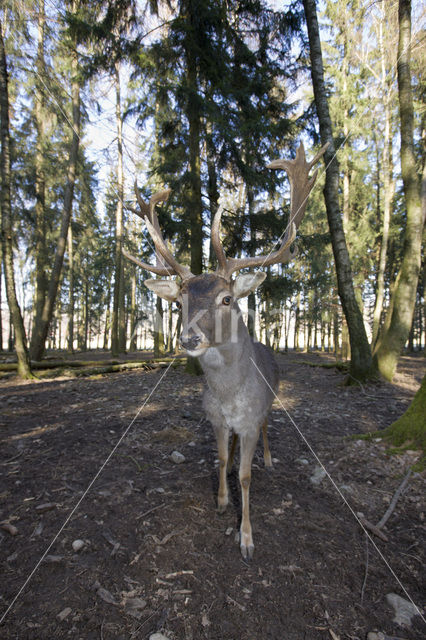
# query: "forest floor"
89,459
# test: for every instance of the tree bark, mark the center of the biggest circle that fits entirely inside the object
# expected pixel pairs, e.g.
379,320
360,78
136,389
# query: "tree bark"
158,328
24,369
361,367
47,313
118,333
71,305
409,429
1,314
388,184
195,206
40,185
133,326
393,339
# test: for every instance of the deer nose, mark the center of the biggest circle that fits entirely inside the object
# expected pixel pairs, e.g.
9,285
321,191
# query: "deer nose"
190,343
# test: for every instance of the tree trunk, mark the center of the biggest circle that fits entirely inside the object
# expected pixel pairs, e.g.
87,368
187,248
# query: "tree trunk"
388,185
24,370
133,326
409,429
195,205
195,208
40,185
251,300
297,323
71,292
158,328
361,367
47,313
212,187
86,315
1,314
117,331
392,341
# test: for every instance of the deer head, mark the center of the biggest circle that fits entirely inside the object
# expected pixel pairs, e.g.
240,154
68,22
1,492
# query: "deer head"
209,301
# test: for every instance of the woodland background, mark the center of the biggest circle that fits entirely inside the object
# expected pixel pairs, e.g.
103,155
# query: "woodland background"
199,97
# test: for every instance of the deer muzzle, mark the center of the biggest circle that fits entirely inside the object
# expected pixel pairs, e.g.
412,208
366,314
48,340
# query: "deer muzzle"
190,343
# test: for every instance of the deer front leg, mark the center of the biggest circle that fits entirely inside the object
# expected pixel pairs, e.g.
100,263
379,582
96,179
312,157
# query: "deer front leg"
266,451
222,437
247,448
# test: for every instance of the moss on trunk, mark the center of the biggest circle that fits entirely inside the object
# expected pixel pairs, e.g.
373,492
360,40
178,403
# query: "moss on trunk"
410,429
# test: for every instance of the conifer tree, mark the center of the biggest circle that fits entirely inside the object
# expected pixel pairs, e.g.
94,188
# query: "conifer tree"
24,369
395,334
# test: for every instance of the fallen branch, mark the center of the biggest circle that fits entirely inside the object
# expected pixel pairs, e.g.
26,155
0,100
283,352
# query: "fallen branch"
78,364
394,500
371,527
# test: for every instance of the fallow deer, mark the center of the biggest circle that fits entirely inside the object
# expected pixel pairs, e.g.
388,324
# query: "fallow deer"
241,374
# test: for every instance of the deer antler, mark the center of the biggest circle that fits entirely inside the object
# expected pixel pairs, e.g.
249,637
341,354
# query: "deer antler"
300,187
163,254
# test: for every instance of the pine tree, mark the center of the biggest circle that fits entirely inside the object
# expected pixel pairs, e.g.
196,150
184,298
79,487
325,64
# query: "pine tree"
24,369
42,324
395,334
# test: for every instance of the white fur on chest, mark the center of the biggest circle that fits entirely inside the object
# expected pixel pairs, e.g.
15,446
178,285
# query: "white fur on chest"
213,358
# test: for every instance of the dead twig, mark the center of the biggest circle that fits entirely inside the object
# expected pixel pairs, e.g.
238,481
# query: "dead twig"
235,603
160,506
175,574
367,554
371,527
394,500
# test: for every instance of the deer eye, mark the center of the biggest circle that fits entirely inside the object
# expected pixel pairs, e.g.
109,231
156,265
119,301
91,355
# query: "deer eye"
227,300
178,305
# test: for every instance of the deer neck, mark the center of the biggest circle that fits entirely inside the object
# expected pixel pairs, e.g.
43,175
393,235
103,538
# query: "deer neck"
226,364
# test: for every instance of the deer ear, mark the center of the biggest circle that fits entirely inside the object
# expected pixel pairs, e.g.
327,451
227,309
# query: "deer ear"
245,283
167,289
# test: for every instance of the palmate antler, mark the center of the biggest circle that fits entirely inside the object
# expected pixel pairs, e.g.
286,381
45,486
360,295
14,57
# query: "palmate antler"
300,187
164,256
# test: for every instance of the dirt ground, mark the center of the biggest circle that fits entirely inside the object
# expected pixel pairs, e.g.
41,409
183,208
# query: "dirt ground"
89,459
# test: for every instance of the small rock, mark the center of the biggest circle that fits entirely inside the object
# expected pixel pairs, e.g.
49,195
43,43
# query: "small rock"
404,610
191,444
302,461
64,613
77,545
378,635
10,528
158,636
229,531
51,559
177,457
106,596
346,488
134,607
47,506
318,475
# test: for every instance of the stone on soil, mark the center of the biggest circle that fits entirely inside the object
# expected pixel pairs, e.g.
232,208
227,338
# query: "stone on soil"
177,457
404,610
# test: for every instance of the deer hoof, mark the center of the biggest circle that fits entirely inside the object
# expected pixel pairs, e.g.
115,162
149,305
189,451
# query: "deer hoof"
246,546
221,507
247,551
